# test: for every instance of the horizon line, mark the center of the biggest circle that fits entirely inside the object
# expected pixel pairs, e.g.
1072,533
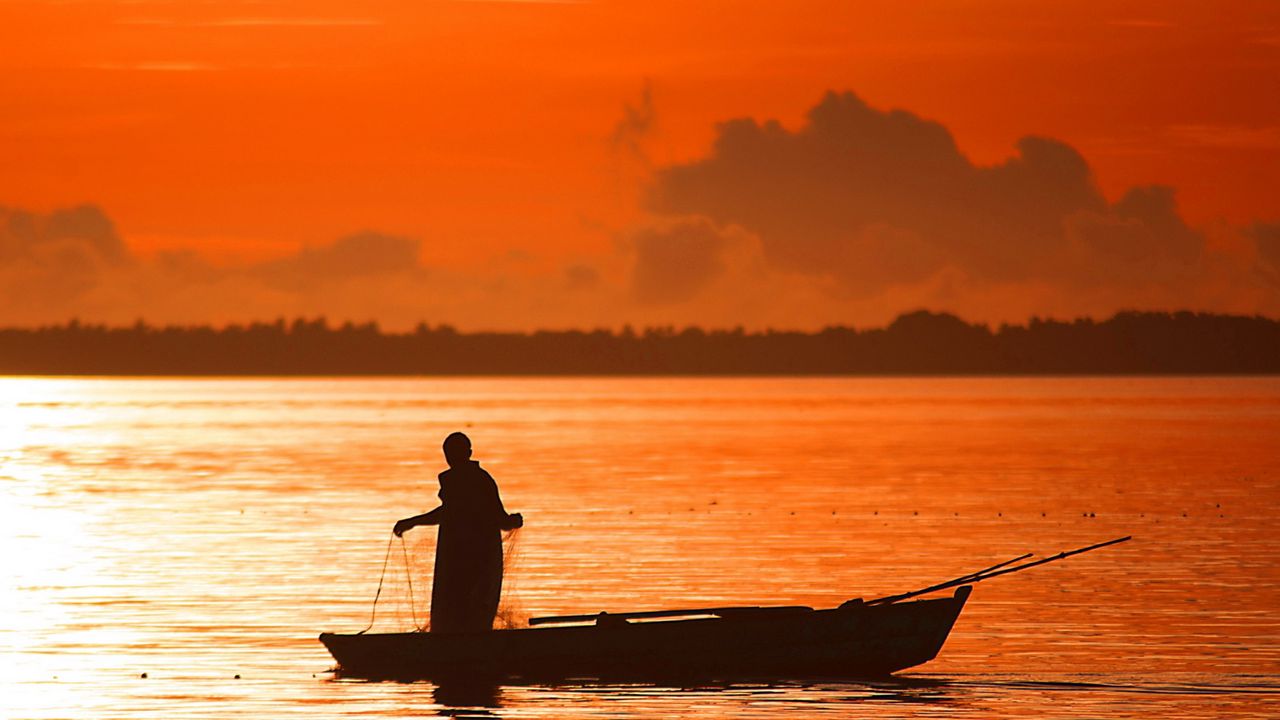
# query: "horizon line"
323,321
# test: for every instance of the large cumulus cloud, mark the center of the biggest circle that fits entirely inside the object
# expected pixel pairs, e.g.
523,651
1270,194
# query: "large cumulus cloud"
882,203
882,197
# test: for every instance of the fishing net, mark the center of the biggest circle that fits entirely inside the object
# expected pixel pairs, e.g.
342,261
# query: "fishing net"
402,602
511,613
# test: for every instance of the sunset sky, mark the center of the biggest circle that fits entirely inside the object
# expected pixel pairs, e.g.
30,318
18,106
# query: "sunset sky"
557,164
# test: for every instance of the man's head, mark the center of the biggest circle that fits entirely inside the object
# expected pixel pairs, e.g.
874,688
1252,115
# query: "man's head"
457,449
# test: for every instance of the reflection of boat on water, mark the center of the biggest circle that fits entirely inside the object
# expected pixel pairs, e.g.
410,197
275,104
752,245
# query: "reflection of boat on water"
854,640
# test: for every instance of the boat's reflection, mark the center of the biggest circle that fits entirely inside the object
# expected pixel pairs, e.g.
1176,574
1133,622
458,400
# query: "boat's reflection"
462,699
486,700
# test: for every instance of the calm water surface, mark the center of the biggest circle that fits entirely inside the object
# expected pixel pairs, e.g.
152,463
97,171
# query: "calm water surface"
196,530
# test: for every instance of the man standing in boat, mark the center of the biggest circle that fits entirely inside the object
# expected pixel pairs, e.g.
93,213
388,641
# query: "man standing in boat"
468,569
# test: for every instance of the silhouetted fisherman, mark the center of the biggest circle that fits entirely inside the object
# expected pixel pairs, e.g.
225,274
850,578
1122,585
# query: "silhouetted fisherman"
468,570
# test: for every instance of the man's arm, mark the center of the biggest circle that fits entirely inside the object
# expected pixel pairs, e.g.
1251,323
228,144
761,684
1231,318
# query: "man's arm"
430,518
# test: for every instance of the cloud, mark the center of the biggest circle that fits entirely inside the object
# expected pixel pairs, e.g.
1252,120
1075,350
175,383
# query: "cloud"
674,261
1230,137
165,66
255,22
72,263
580,276
878,198
1143,24
637,123
875,204
52,260
25,235
1266,238
363,255
1139,239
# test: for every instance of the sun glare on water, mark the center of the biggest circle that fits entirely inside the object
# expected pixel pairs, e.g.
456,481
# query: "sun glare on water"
48,550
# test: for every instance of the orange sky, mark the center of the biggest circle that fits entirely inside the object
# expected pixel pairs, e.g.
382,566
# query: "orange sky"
488,131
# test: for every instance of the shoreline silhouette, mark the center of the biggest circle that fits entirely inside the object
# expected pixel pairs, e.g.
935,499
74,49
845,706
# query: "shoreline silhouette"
916,343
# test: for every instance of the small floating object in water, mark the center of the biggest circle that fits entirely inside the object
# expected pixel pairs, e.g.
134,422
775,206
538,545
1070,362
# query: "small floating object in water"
143,676
238,677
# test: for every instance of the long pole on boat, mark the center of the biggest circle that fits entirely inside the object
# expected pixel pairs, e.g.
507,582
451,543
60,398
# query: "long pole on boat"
967,577
994,571
977,576
997,566
737,610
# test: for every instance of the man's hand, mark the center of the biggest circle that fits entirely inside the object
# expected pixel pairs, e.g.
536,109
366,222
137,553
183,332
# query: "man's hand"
402,525
516,521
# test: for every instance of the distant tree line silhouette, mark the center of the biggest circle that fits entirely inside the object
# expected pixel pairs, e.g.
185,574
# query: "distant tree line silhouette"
920,342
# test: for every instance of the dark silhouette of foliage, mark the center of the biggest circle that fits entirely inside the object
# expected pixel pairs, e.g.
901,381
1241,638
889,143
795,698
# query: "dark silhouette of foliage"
920,342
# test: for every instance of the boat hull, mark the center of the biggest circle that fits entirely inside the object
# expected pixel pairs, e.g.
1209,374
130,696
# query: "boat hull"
851,641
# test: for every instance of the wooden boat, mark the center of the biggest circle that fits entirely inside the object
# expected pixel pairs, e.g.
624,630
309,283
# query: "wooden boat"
854,640
857,639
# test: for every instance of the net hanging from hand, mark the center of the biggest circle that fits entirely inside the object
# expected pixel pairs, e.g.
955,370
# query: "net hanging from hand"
402,602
